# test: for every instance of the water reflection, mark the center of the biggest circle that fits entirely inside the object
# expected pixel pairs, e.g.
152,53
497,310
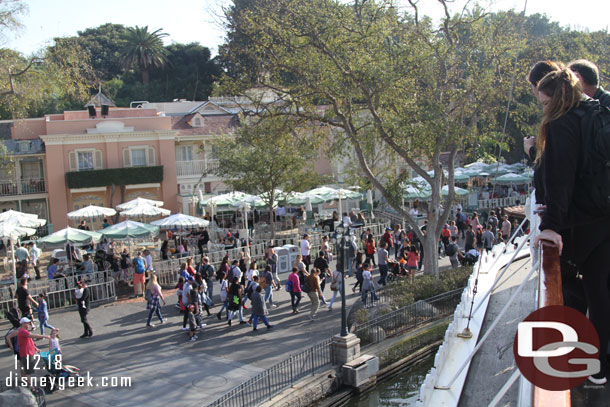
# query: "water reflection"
401,390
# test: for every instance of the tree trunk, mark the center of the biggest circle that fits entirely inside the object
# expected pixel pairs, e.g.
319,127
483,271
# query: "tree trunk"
271,218
430,246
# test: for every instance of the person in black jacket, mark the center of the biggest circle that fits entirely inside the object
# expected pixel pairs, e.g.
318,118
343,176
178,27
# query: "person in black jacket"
82,301
588,75
582,237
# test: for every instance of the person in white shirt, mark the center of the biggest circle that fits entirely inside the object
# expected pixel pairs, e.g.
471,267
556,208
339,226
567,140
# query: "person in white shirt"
347,222
148,260
35,253
306,251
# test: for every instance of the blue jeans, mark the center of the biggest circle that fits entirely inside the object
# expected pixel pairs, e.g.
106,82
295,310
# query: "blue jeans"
255,318
240,313
225,306
365,294
383,273
332,300
295,299
43,323
269,294
156,310
350,261
211,289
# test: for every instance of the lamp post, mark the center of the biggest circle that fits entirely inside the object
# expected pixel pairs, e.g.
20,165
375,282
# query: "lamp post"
340,238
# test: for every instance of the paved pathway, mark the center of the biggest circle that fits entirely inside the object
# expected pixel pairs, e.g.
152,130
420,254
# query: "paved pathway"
164,367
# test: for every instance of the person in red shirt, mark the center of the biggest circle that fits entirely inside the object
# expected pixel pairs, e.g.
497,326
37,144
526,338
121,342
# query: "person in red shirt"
27,349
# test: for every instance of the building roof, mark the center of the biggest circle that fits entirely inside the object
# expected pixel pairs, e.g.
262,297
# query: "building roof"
19,147
100,99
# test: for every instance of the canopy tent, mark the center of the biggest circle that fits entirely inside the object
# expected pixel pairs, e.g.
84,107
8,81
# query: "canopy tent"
512,178
229,199
144,209
70,235
331,194
130,230
91,211
180,221
136,202
300,198
419,189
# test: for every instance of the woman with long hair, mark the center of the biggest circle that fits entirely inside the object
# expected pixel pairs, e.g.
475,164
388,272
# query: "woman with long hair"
581,235
155,295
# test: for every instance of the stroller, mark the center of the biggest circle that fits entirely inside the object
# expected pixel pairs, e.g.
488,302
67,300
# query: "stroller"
13,316
53,363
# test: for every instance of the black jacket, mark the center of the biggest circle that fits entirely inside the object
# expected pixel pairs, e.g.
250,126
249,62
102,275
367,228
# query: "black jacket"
84,300
603,96
558,170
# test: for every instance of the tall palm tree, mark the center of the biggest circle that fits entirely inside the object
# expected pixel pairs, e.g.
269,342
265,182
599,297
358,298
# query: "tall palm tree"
144,50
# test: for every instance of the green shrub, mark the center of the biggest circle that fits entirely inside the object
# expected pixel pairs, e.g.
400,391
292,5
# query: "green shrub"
403,348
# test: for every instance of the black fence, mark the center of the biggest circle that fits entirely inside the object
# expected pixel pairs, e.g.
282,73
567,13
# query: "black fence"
409,317
277,378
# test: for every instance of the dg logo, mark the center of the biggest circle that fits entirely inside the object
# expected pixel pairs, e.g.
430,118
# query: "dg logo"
556,348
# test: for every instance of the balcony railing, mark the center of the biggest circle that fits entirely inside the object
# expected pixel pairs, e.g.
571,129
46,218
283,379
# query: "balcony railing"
196,168
23,187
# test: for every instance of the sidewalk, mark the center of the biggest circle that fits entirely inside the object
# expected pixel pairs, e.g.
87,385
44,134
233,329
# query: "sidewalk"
164,367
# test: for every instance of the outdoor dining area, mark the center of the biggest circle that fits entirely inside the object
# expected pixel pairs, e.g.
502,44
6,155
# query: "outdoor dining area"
477,186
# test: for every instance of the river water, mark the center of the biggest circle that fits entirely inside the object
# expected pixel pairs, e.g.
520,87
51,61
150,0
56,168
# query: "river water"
400,390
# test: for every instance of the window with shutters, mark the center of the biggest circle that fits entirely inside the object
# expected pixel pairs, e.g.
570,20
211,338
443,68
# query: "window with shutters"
85,160
138,157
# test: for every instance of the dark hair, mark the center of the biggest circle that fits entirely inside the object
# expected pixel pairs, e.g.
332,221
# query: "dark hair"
294,269
259,289
588,71
23,280
539,70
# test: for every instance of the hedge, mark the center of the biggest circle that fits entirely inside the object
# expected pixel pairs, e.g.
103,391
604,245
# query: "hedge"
114,176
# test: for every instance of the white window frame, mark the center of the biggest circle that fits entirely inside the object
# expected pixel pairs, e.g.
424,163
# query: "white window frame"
131,155
85,151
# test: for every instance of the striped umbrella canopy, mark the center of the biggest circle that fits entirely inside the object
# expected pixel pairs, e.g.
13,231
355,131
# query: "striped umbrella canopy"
70,235
26,220
91,211
180,221
230,199
136,202
145,209
129,229
300,198
512,178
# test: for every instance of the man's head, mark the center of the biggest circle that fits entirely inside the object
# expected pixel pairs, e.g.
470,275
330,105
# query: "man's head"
586,71
23,282
235,262
25,322
206,259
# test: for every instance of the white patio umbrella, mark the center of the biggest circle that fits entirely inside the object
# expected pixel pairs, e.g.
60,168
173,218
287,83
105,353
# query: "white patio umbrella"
12,231
136,202
180,221
145,209
27,220
91,211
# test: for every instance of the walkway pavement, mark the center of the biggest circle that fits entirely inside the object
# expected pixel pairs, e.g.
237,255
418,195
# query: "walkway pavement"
164,367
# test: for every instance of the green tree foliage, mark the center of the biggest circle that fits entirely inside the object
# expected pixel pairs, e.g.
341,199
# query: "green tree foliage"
266,155
59,77
104,45
419,88
144,50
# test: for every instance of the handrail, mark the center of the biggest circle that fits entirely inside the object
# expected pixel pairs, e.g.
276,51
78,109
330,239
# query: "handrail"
550,293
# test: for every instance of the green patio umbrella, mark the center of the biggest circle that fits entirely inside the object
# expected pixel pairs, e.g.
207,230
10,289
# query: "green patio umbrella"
128,230
300,198
70,235
512,178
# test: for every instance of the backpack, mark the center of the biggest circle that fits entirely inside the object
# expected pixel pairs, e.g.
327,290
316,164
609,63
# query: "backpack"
305,287
592,182
288,286
370,248
450,250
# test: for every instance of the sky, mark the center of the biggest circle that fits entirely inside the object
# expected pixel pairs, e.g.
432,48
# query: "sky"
197,20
